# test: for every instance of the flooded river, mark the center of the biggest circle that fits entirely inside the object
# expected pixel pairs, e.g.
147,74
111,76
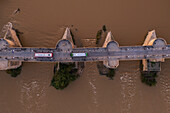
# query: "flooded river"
43,22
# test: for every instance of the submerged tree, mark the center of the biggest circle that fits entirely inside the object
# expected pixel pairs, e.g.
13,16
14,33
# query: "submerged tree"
103,70
104,28
64,75
99,33
98,36
14,72
111,74
148,77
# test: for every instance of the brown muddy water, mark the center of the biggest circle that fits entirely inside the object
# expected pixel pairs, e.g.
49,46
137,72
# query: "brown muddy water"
43,23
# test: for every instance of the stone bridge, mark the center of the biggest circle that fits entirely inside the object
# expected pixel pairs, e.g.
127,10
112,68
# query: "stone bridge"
153,50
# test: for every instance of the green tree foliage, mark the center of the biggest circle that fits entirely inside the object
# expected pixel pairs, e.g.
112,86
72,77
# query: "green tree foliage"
111,74
149,77
99,33
14,72
64,75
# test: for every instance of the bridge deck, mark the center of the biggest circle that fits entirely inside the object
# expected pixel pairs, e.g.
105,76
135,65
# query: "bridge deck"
94,54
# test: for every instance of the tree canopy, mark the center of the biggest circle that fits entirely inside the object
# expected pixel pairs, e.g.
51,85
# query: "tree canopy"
64,75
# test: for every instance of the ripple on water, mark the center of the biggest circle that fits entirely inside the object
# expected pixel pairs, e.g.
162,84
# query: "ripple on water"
165,89
31,96
128,90
92,82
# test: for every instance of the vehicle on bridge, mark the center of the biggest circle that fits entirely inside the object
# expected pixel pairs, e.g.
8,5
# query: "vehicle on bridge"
43,55
78,54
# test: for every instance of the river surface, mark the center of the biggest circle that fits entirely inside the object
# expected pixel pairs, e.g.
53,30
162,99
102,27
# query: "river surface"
43,22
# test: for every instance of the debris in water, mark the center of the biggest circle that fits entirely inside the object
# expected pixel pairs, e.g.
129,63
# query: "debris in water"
17,11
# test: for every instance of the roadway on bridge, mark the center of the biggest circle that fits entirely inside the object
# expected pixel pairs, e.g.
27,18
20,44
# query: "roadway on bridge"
94,54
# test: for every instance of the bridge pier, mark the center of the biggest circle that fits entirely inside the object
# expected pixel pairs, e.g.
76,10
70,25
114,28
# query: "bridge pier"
66,43
111,46
10,39
158,44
